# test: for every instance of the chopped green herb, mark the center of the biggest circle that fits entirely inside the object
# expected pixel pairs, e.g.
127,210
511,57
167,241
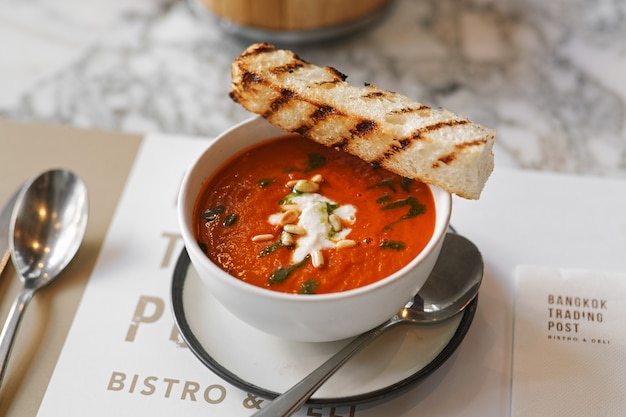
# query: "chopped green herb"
384,199
309,286
230,219
415,209
388,183
283,272
330,208
270,249
396,204
314,161
211,214
265,182
392,244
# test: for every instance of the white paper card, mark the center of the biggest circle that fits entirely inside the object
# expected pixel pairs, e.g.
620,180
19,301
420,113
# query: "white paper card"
569,349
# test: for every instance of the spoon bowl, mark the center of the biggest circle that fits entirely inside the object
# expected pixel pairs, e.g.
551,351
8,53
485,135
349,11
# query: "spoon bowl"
451,286
48,225
47,228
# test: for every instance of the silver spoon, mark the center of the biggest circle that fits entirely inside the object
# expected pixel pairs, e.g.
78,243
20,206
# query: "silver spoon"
47,227
452,285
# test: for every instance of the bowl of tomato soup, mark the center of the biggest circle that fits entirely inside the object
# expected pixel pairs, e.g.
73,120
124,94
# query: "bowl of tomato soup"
304,241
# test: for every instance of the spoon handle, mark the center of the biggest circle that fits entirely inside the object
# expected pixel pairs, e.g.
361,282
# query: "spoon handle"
10,327
290,401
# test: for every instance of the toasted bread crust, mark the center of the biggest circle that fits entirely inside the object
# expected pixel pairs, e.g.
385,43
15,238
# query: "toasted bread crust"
381,127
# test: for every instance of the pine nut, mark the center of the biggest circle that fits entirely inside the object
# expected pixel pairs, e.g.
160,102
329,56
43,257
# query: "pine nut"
306,186
294,229
289,216
291,207
345,243
286,239
317,258
335,222
317,178
262,238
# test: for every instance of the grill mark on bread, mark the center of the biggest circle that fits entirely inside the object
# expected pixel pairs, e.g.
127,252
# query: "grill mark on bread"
416,109
248,78
322,112
318,116
364,128
440,125
451,157
329,84
286,96
421,110
404,143
422,131
290,68
401,144
464,145
338,74
446,159
395,148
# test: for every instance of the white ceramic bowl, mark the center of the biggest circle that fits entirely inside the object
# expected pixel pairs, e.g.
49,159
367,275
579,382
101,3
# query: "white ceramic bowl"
310,318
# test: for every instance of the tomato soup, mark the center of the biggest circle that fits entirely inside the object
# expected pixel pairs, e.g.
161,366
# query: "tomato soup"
292,215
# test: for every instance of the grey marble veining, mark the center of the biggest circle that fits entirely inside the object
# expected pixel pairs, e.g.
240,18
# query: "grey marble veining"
549,76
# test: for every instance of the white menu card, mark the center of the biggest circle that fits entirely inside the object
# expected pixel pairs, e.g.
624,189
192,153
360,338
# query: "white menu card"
569,350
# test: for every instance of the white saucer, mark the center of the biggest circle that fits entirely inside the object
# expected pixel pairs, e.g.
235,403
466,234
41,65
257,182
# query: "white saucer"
266,365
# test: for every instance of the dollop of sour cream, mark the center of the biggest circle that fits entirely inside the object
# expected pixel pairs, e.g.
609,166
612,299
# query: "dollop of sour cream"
314,219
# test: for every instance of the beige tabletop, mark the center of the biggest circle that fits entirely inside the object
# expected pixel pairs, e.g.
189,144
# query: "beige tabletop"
103,160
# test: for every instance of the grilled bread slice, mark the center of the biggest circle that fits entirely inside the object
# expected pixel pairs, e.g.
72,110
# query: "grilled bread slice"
411,139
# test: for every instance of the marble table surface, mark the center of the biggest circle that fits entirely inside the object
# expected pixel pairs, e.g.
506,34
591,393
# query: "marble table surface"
550,76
